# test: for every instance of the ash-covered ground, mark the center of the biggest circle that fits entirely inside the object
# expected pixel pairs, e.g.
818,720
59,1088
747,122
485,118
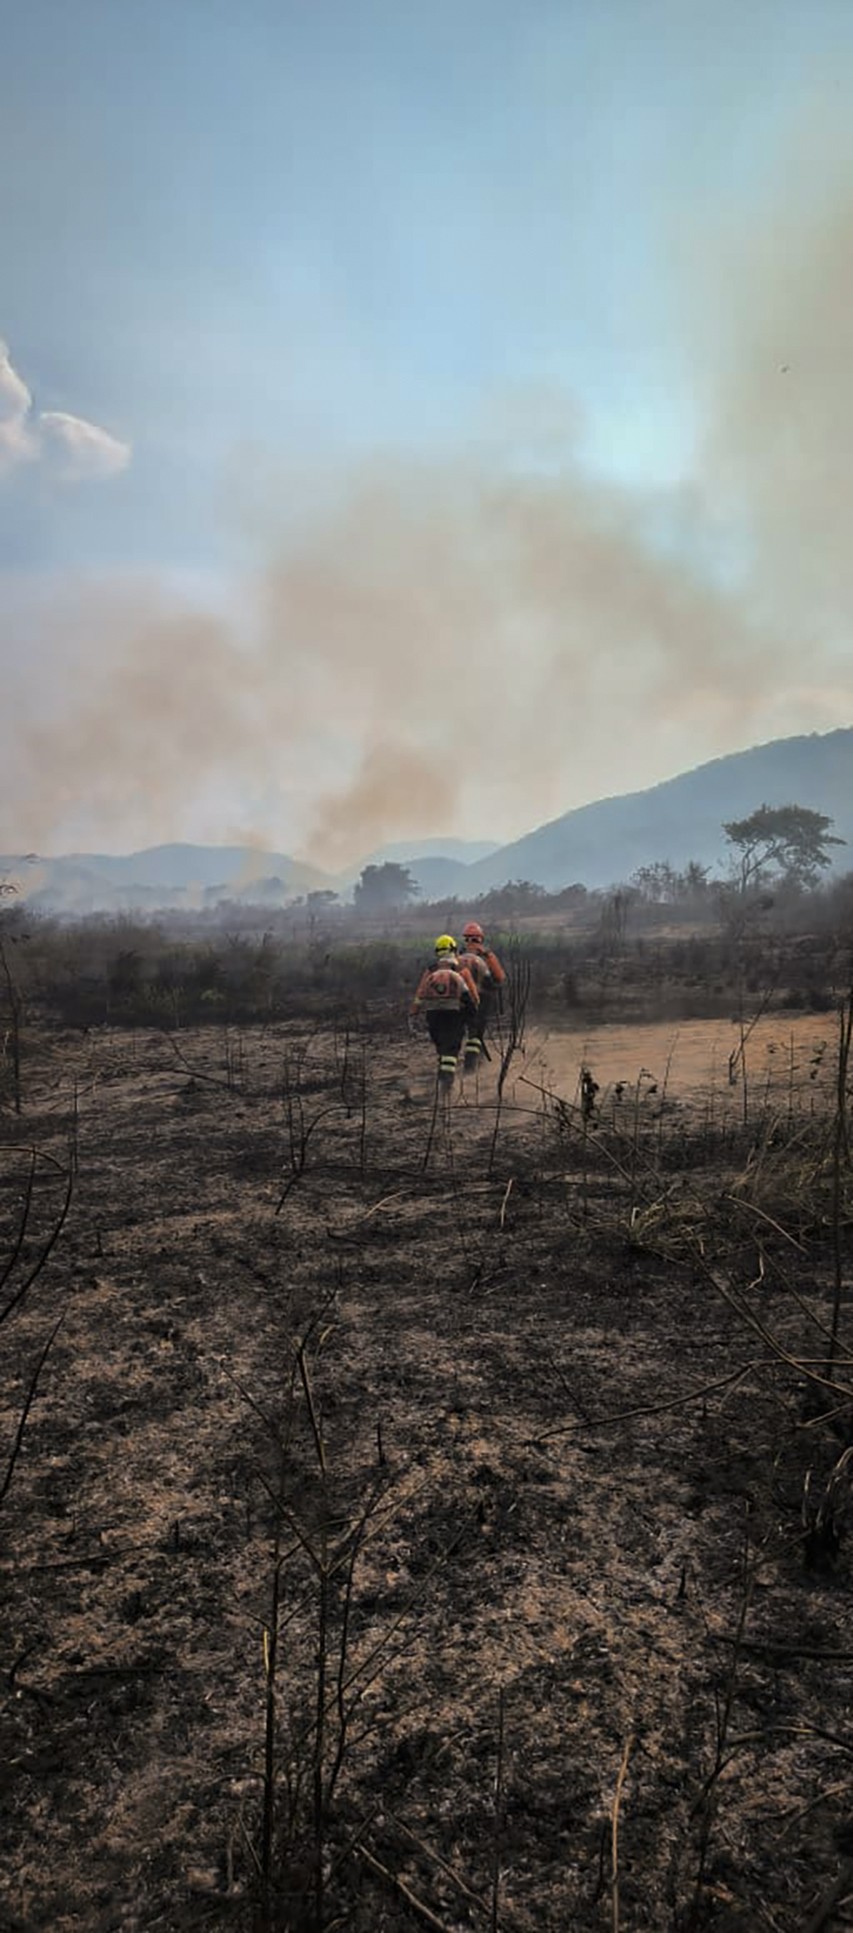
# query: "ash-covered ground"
405,1528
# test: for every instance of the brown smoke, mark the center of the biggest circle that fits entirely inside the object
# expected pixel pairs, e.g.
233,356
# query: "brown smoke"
524,628
134,699
476,643
468,631
396,786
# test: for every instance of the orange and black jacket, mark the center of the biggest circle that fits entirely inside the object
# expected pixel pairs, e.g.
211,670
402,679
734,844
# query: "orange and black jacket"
446,989
485,967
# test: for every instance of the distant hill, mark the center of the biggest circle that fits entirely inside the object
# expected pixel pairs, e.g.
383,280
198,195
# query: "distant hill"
438,878
406,851
432,863
597,844
160,877
680,819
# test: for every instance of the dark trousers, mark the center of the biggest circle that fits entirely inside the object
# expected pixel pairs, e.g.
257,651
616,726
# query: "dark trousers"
446,1031
480,1021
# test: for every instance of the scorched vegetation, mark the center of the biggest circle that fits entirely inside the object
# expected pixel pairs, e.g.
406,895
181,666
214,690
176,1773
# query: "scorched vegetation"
418,1515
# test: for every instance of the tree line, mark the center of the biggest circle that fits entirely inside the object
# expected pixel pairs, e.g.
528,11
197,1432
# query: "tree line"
784,845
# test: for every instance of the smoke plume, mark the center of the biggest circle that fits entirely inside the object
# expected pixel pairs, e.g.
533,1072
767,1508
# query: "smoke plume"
476,642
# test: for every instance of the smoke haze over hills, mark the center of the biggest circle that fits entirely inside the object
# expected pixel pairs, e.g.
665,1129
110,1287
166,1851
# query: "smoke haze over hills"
473,633
598,845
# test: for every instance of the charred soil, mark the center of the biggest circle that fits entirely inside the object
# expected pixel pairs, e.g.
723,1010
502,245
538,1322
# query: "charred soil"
409,1527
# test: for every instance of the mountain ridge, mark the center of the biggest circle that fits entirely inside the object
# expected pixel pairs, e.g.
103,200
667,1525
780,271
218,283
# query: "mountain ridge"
597,844
678,819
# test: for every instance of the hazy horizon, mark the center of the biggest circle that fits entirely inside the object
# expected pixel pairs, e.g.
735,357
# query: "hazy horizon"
415,422
418,847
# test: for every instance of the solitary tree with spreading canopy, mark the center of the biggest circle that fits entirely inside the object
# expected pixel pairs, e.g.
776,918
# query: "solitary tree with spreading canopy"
384,887
783,842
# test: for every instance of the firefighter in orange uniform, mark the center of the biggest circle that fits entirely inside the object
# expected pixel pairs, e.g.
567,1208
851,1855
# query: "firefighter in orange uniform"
489,977
447,995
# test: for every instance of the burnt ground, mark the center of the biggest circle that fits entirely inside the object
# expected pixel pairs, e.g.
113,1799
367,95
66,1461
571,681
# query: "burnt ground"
449,1415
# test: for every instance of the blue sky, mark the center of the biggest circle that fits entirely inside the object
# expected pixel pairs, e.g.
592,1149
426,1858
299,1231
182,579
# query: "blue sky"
258,244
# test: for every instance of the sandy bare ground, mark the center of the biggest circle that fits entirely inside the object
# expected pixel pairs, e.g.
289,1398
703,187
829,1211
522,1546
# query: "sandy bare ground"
698,1063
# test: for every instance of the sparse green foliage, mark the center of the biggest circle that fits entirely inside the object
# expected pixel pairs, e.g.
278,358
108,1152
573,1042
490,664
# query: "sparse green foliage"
785,841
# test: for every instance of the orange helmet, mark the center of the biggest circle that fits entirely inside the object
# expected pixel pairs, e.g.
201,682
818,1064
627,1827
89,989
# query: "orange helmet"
473,932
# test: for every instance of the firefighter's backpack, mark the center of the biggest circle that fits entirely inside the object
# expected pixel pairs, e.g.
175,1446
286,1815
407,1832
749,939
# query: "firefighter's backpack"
443,987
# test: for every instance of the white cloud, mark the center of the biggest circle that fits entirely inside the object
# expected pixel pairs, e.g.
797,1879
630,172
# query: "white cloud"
81,448
15,398
72,449
17,444
16,439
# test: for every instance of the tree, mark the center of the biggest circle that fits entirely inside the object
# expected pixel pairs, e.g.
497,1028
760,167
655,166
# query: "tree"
695,877
320,901
658,883
613,921
383,887
661,884
784,842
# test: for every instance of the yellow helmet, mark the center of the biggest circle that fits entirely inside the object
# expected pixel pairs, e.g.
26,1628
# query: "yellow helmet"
445,943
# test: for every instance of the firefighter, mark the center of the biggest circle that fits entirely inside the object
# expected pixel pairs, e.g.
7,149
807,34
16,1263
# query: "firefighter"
448,996
489,977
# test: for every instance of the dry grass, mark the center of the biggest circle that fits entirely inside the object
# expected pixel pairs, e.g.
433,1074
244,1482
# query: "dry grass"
256,1614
